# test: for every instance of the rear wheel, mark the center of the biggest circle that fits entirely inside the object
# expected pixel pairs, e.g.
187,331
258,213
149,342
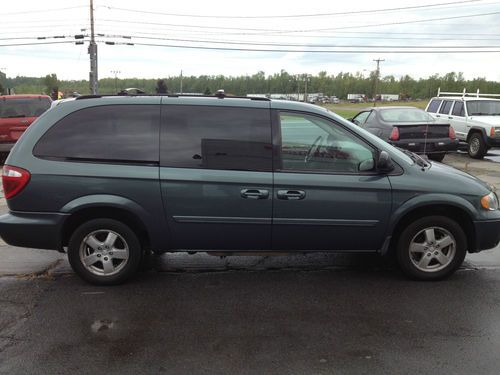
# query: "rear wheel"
476,146
431,248
104,252
437,157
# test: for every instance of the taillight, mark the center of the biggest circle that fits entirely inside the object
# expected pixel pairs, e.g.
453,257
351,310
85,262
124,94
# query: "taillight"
14,179
394,134
492,131
451,133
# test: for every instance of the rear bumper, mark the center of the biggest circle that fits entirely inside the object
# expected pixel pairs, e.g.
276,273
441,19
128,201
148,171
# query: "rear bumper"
487,234
6,147
431,146
37,230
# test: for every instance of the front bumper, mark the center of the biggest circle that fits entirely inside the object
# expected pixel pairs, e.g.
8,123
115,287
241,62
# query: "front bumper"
487,234
431,146
37,230
493,141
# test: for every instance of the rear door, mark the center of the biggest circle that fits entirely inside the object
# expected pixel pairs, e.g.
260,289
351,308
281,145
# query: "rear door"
322,200
216,175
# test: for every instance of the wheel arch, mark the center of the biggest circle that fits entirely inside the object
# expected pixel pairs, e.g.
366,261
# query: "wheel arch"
474,130
461,214
111,207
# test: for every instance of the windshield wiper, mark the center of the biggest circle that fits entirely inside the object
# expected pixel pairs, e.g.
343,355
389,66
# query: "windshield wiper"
415,157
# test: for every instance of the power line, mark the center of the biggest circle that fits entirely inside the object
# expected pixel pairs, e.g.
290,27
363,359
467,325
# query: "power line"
304,30
294,15
43,10
297,45
139,34
38,44
305,51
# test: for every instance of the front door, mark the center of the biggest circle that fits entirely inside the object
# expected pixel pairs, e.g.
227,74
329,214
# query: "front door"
216,176
327,194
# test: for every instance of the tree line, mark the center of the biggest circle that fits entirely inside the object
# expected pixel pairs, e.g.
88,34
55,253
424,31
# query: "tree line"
283,82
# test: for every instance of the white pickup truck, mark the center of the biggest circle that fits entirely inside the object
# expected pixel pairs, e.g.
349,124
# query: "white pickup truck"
474,116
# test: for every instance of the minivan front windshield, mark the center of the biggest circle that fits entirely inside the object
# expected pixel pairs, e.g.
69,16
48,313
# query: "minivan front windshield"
483,108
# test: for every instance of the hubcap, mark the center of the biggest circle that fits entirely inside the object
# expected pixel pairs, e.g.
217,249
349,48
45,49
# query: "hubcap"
432,249
104,252
474,146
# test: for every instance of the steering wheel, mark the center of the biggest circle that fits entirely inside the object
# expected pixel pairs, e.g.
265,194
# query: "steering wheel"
314,147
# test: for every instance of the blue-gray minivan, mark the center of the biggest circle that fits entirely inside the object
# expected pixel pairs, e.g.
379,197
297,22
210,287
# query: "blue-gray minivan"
109,179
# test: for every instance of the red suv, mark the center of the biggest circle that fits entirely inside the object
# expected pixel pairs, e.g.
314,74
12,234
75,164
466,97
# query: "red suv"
17,112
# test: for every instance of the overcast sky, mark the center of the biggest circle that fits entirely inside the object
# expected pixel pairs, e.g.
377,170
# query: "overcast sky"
174,23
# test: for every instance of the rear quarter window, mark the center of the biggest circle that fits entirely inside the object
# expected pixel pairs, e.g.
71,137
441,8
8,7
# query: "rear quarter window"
434,105
114,133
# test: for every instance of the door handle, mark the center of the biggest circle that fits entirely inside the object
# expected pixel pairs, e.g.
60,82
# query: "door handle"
449,117
438,115
254,194
291,194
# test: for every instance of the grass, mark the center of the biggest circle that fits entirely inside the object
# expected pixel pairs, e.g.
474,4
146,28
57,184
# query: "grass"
348,110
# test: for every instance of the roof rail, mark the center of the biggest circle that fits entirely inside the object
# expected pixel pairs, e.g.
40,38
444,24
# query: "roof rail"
464,93
218,95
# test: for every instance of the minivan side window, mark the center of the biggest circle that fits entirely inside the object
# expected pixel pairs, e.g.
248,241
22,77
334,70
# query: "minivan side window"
110,133
313,144
458,109
445,108
434,105
212,137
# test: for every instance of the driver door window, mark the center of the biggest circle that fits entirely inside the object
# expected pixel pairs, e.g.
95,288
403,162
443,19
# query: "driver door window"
313,144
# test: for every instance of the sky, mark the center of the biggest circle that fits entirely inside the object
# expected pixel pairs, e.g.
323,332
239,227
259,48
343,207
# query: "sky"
359,32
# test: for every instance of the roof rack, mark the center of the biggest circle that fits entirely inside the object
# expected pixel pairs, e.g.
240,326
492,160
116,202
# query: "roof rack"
464,93
218,95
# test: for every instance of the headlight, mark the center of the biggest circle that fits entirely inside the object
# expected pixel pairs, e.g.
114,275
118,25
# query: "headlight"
490,202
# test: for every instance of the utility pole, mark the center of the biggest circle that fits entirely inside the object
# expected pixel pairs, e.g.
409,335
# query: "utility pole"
116,72
181,82
306,78
377,76
93,79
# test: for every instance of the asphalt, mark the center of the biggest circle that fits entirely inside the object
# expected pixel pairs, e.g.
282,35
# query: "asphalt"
198,314
342,321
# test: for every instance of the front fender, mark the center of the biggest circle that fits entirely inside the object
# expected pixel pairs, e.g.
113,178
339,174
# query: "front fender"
432,199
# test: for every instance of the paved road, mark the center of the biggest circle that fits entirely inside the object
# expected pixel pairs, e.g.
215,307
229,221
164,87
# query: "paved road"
346,321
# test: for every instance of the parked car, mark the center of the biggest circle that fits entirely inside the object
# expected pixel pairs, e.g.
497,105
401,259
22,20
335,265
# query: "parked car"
120,176
475,117
17,112
409,128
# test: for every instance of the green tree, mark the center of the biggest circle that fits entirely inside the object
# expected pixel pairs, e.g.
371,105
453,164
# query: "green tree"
51,83
161,87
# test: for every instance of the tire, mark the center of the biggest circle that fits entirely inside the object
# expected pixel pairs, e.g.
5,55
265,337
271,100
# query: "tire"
437,157
476,146
422,257
112,250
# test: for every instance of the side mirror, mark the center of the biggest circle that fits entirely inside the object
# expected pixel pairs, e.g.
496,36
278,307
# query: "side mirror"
366,165
384,162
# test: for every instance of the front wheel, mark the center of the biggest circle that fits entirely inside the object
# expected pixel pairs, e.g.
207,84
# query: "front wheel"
431,248
104,252
476,146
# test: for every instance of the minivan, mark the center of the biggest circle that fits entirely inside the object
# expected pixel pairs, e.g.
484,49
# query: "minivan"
109,179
